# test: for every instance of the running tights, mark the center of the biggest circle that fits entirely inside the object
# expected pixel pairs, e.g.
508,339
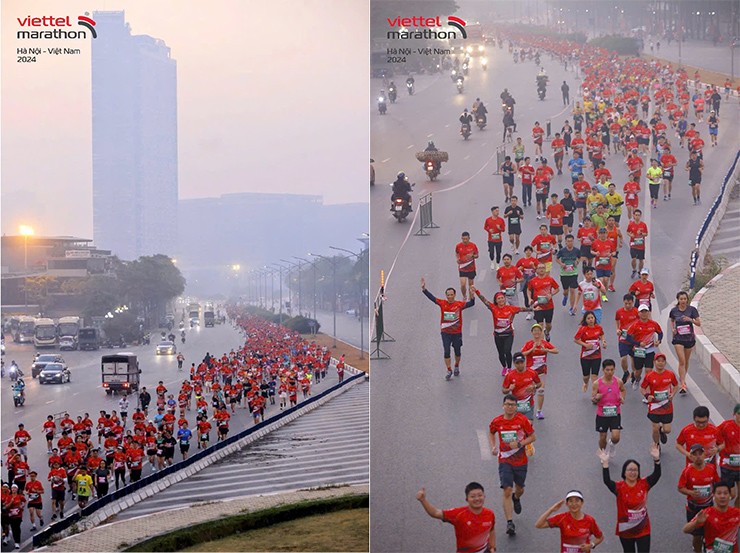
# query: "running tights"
120,473
639,545
504,344
15,527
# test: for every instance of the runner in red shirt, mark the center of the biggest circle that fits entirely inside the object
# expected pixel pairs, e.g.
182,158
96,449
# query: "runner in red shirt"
720,522
581,189
466,252
668,163
577,144
643,290
633,522
35,492
528,266
522,383
590,336
537,135
659,387
604,256
474,524
558,149
696,483
555,212
526,172
543,245
495,227
57,476
637,231
451,324
702,432
503,328
542,177
50,429
515,436
540,291
576,527
535,351
623,318
508,276
728,432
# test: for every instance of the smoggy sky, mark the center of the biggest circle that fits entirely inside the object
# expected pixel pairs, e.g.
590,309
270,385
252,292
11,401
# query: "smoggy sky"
272,97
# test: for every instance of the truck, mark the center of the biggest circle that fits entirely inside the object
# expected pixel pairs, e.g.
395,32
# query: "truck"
194,314
209,318
26,330
88,339
120,373
45,333
68,329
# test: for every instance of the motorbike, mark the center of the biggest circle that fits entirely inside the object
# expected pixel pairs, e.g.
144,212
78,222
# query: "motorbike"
516,58
14,372
431,169
382,108
410,88
542,86
541,92
537,59
392,95
481,122
484,64
465,69
400,207
19,398
459,86
465,131
183,339
146,339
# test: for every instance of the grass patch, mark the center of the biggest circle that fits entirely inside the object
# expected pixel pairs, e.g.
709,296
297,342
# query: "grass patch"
712,267
184,538
340,531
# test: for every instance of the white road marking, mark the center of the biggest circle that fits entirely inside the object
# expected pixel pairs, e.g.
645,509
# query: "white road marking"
430,135
474,328
485,448
446,173
386,159
447,126
482,145
48,402
409,146
467,156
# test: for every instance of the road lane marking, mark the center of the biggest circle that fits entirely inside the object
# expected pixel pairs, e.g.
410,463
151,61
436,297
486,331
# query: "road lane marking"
430,135
447,126
474,328
386,159
485,447
446,173
48,402
482,145
467,156
409,146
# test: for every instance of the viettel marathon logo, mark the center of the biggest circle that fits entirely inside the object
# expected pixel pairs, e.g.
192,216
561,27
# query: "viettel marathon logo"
425,27
50,26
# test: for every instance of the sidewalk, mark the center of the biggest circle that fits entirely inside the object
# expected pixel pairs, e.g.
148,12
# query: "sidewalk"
717,342
117,536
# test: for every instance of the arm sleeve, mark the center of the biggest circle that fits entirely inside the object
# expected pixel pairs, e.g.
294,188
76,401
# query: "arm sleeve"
428,294
608,480
655,476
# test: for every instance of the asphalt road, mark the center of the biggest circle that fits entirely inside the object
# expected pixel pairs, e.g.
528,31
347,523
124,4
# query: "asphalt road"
429,432
85,394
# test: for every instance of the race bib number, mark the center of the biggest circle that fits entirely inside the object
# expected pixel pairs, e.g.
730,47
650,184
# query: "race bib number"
683,330
639,353
541,299
555,221
495,236
589,296
638,241
581,195
449,316
523,405
509,436
734,460
721,546
514,221
661,395
567,548
569,268
510,291
631,196
704,491
609,411
605,260
545,246
538,361
594,205
645,301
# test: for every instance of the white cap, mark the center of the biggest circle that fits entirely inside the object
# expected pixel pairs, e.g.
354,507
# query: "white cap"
643,307
574,493
644,271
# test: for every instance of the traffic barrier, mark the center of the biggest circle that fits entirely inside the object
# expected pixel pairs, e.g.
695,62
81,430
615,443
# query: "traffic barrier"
712,220
380,334
500,158
425,216
548,130
149,485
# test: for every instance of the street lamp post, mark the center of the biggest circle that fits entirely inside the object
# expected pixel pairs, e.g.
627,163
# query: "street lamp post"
313,263
334,290
361,306
280,267
293,264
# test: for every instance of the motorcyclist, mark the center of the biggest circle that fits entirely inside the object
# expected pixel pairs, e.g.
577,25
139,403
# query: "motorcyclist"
465,117
409,81
432,148
481,111
14,371
19,387
402,188
509,121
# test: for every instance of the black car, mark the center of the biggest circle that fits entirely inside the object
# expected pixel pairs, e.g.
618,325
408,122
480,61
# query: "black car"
54,372
42,360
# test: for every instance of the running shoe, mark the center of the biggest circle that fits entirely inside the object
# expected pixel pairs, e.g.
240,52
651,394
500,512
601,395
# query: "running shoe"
53,517
683,389
604,298
457,371
540,416
5,540
510,528
448,376
611,288
633,276
17,546
665,197
635,385
529,316
625,377
517,504
663,435
547,336
516,252
493,265
33,527
504,370
565,301
41,522
571,312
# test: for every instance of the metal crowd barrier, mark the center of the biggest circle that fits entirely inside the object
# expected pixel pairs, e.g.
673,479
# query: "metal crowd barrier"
500,158
425,216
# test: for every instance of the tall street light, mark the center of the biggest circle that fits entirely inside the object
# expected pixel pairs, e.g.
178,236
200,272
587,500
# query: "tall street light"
293,264
361,307
313,263
25,231
334,290
280,268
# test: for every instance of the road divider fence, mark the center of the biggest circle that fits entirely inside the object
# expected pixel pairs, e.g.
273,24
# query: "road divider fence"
711,222
426,220
380,335
500,158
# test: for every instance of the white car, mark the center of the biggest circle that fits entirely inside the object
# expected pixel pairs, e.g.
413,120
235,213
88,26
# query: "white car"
166,348
67,343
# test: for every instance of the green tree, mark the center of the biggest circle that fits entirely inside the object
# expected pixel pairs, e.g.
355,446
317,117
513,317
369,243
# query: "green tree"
103,294
37,290
150,282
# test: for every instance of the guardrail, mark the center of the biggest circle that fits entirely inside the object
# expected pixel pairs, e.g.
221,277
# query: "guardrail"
500,158
425,216
711,221
216,450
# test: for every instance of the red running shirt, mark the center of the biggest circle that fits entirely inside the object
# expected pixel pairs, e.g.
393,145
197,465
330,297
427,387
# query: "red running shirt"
632,516
574,533
472,531
517,428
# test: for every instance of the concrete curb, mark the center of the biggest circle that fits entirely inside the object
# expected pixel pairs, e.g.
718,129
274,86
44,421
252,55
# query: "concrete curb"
110,510
724,372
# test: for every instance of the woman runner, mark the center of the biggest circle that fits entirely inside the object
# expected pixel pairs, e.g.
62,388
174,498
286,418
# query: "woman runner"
590,336
683,318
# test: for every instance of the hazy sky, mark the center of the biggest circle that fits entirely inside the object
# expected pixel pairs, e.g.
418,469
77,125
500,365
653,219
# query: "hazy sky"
272,97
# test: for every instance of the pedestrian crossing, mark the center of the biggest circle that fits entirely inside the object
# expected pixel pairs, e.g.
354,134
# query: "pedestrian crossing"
328,446
726,242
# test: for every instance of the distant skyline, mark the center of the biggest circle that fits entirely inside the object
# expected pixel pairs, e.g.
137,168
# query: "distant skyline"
272,97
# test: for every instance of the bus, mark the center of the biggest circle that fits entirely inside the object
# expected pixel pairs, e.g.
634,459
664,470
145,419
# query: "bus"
45,333
26,330
68,326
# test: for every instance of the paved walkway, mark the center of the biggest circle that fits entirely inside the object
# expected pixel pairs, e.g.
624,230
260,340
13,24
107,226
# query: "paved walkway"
726,241
117,536
719,307
699,53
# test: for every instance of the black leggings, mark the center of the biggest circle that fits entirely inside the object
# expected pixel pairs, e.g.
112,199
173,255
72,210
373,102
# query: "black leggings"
504,344
494,248
15,527
639,545
527,194
120,473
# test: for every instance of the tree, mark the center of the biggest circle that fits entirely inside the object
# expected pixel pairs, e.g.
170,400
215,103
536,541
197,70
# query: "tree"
103,294
151,281
37,290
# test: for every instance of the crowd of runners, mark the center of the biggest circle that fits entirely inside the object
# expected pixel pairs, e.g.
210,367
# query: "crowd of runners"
86,457
630,112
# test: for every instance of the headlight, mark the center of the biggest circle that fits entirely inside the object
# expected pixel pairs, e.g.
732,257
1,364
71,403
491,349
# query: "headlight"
480,48
469,48
484,61
379,100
